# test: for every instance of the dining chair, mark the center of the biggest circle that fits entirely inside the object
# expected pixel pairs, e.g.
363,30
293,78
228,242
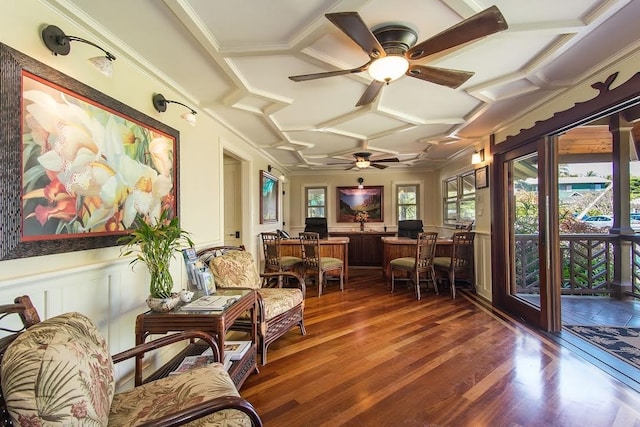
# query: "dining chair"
459,265
318,265
421,263
273,259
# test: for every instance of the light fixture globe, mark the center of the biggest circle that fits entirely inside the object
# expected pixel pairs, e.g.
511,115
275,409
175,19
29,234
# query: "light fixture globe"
361,164
388,68
396,40
102,64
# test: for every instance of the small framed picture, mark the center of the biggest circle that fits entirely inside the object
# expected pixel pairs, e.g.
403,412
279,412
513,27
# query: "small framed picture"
482,177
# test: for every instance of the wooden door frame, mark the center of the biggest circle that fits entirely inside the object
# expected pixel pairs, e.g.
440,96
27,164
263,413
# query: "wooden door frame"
625,96
502,242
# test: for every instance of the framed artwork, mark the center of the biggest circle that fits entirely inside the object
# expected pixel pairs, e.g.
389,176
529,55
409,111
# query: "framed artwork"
268,198
354,203
482,177
77,165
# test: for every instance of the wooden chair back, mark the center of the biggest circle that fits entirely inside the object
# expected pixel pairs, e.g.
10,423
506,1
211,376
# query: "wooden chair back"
23,309
462,251
272,251
426,250
310,244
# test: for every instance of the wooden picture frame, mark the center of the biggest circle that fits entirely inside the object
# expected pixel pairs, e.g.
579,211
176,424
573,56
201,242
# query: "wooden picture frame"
77,165
351,200
482,177
269,193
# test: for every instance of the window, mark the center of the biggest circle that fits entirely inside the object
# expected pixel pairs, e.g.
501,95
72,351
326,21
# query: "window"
459,201
407,197
316,198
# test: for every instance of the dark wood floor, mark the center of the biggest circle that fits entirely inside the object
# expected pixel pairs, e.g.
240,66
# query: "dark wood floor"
372,358
596,311
600,311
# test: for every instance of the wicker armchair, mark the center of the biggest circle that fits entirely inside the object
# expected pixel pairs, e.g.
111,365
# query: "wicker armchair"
59,371
280,295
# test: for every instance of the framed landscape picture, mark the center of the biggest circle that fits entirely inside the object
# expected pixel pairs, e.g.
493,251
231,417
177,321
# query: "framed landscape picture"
353,202
268,198
482,177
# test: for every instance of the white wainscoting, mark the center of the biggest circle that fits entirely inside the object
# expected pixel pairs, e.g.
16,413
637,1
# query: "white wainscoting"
110,294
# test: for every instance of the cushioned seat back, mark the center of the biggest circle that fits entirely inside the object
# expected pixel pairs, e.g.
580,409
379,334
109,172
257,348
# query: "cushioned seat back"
59,372
410,228
235,269
317,225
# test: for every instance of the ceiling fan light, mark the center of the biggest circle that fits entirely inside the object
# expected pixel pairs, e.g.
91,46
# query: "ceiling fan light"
361,164
388,68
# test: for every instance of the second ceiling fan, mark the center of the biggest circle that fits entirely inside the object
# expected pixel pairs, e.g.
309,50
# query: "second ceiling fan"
362,161
391,50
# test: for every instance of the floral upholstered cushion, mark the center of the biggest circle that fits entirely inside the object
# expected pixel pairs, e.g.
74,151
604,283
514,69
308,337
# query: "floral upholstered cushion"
175,392
235,269
279,300
59,372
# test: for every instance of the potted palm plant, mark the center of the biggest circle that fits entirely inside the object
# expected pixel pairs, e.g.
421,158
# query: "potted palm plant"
155,244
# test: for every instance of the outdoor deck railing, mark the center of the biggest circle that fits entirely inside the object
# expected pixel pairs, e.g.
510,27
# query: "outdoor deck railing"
587,264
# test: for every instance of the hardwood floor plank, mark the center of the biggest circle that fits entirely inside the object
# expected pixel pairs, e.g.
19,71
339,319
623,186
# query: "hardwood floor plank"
372,358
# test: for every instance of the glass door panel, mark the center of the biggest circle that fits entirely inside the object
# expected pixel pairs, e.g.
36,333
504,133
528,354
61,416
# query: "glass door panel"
524,229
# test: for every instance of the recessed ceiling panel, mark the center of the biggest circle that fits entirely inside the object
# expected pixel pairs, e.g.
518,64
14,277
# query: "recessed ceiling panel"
426,100
248,125
242,24
323,143
370,124
544,10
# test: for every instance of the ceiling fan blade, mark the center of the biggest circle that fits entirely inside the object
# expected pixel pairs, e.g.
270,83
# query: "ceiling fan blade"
393,159
341,163
482,24
378,166
441,76
353,26
305,77
371,93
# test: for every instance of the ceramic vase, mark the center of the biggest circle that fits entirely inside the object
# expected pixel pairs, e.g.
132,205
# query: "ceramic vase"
162,305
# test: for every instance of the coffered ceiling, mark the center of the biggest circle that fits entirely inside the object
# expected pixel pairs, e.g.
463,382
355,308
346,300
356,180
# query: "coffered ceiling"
232,59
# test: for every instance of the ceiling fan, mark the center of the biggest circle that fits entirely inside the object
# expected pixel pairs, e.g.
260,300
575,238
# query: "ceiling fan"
363,161
392,48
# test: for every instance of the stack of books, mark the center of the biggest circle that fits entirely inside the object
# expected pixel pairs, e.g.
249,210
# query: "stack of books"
211,303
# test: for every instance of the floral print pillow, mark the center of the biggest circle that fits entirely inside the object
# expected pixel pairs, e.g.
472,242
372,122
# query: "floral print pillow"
235,269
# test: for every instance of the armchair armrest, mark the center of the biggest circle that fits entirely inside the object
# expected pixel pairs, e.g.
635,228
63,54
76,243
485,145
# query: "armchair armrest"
207,407
203,408
141,349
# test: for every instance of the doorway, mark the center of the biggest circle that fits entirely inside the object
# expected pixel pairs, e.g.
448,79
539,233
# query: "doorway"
232,215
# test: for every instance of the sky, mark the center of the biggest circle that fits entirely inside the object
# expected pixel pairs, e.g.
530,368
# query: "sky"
600,169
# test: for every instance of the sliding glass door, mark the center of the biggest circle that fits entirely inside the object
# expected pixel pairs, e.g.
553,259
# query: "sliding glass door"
523,187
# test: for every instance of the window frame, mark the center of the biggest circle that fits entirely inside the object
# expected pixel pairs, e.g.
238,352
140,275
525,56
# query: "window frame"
463,195
308,206
399,205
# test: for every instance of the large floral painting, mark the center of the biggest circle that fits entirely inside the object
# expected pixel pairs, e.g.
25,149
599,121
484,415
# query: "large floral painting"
87,165
87,169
